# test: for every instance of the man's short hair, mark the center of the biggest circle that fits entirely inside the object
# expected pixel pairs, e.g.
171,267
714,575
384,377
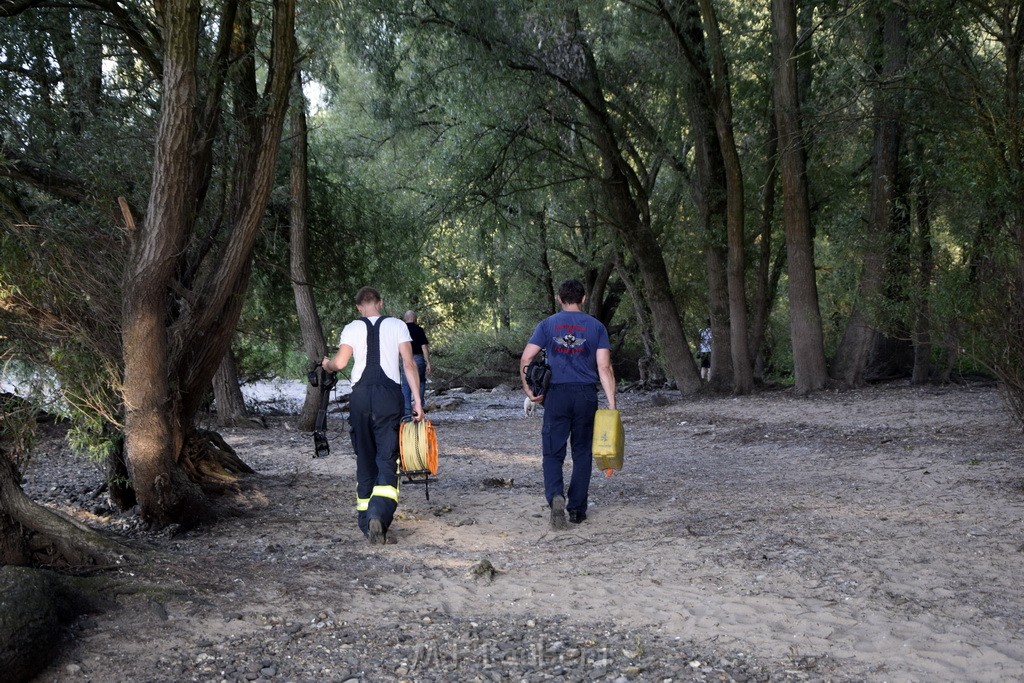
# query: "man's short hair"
571,292
410,316
367,295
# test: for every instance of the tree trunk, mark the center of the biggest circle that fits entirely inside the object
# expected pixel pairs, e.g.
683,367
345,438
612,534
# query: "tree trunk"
207,332
767,275
153,432
227,393
742,371
629,214
716,261
893,353
605,293
313,342
859,338
78,48
504,305
119,484
891,357
172,352
709,186
805,316
547,277
35,608
920,309
647,367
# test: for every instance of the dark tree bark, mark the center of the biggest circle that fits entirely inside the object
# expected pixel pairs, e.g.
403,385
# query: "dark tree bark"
742,371
921,311
547,277
709,181
769,259
169,365
605,293
805,316
119,485
227,393
851,358
153,432
35,608
718,190
313,342
597,269
648,368
892,355
79,51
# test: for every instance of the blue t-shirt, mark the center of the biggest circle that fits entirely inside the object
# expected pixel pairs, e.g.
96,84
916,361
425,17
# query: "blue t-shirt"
571,340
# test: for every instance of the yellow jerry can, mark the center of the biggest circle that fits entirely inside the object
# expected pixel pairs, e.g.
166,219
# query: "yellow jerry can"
609,441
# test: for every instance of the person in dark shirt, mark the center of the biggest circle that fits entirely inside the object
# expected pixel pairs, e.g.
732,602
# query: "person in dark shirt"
420,356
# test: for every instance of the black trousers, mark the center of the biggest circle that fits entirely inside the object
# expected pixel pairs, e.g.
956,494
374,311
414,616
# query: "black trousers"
375,411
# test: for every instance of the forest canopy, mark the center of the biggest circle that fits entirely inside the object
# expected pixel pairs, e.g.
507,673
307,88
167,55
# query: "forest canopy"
191,191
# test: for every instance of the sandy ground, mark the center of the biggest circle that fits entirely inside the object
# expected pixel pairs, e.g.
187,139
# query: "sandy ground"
866,535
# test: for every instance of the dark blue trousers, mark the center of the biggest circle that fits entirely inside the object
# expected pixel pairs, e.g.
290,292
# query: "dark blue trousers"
375,411
569,420
421,367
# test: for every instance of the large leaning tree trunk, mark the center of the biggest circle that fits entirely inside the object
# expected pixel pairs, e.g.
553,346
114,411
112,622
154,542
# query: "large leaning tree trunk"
628,206
313,342
180,310
625,196
852,356
804,316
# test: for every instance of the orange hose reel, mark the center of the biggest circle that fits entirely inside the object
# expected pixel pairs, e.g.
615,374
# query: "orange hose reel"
417,447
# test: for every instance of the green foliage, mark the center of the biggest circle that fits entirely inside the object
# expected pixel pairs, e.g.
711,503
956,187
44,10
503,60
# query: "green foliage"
451,168
472,355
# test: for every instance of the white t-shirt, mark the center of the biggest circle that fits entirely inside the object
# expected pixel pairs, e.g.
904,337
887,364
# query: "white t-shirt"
392,333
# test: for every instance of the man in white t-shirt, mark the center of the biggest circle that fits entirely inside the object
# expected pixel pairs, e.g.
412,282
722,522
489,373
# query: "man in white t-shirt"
378,344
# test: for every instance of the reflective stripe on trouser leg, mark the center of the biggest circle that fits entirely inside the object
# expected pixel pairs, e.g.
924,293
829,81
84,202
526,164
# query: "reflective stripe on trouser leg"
390,492
362,504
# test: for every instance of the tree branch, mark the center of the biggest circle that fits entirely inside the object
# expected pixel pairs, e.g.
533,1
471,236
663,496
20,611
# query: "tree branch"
10,8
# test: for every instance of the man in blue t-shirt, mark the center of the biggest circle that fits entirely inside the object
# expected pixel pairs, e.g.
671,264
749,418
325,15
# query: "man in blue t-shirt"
579,354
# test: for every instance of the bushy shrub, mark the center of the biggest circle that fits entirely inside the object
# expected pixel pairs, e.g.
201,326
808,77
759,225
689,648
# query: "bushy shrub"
478,357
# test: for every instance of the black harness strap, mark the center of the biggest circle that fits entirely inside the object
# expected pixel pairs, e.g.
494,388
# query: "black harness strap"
373,373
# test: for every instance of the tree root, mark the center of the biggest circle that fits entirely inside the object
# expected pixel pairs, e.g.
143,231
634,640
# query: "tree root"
211,463
34,535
